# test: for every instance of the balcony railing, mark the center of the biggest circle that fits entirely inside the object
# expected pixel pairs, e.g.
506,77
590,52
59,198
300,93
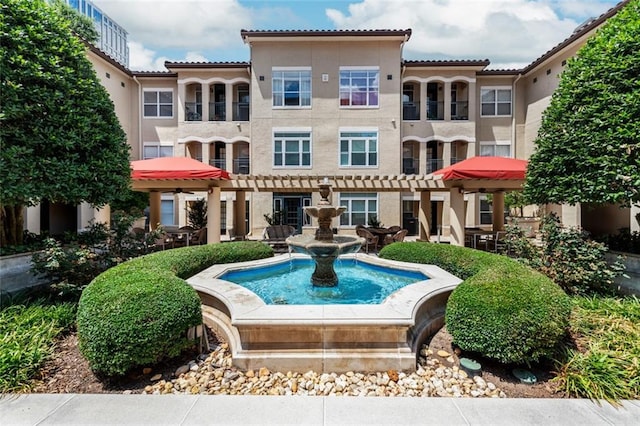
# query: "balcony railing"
411,111
192,111
435,110
433,164
217,111
220,163
241,166
410,166
455,160
460,110
241,111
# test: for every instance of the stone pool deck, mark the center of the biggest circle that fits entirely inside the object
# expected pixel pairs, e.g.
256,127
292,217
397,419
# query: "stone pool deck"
117,409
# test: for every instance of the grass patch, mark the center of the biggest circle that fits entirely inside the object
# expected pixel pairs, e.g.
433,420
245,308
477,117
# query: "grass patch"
28,332
604,363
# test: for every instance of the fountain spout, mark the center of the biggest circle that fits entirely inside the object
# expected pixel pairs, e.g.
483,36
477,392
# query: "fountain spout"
325,247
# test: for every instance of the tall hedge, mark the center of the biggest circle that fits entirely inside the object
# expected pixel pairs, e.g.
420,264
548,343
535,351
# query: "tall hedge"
502,310
138,312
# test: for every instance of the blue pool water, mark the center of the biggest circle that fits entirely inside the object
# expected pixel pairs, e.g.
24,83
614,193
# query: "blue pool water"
288,283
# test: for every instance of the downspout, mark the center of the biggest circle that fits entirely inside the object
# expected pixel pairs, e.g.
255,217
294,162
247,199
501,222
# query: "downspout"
513,114
140,144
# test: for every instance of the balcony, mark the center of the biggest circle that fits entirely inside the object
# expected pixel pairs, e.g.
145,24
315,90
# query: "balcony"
433,164
435,110
220,163
241,166
410,166
460,110
411,111
241,111
192,111
217,111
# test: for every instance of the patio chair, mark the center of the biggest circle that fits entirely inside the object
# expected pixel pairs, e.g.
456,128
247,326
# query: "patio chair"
199,237
370,239
397,237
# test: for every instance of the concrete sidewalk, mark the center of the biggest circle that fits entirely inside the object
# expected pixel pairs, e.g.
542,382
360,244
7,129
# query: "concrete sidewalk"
116,409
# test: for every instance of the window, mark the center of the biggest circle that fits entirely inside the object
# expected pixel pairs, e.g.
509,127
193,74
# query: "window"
360,207
292,148
359,148
291,88
166,212
495,149
158,103
496,101
359,87
486,211
155,150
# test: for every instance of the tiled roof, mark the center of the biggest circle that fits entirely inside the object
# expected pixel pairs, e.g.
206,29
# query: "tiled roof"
231,64
327,33
154,74
448,63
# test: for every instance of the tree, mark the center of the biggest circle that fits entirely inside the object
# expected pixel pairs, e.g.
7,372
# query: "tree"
81,24
588,145
61,140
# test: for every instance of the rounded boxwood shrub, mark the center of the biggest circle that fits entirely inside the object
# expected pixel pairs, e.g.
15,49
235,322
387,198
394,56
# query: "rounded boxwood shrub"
503,310
138,313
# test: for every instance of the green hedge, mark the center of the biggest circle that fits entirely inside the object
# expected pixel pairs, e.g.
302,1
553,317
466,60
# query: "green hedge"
137,313
502,310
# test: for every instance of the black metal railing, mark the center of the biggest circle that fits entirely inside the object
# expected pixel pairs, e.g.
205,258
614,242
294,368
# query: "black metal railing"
435,110
241,111
217,111
220,163
433,164
241,166
192,111
411,111
410,166
460,110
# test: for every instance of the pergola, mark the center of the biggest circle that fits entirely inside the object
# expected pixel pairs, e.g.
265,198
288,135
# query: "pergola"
179,174
477,174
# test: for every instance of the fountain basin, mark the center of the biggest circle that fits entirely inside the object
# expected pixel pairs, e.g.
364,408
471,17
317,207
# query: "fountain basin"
324,338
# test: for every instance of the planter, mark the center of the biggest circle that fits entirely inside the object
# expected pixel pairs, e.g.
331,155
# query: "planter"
15,274
530,225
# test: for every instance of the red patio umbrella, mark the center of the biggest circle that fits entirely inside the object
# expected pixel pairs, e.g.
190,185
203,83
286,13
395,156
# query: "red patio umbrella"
175,168
496,168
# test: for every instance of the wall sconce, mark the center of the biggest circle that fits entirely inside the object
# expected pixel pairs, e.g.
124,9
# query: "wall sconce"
239,126
393,121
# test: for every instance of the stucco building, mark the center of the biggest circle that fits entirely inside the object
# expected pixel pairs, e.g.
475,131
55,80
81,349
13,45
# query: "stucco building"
341,104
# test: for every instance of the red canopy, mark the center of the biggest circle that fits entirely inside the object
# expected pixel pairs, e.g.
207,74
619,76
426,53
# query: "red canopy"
496,168
175,168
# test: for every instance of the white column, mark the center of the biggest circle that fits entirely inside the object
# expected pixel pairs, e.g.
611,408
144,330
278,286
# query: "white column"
205,102
103,215
456,217
423,101
447,100
182,96
424,216
213,215
423,159
446,154
206,154
154,209
228,100
571,216
230,154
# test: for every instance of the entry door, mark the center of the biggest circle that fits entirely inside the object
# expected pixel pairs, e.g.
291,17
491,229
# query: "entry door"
290,209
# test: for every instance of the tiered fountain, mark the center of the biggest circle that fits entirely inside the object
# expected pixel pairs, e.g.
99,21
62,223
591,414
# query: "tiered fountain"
361,335
325,247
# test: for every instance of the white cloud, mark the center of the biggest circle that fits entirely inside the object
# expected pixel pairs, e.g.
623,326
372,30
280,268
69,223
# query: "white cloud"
189,25
511,33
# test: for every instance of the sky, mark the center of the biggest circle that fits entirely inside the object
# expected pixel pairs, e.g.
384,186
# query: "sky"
510,33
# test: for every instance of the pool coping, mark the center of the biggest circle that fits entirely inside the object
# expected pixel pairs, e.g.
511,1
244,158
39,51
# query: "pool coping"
247,308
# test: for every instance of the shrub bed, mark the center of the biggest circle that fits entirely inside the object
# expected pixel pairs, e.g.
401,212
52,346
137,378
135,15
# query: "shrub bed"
137,313
503,310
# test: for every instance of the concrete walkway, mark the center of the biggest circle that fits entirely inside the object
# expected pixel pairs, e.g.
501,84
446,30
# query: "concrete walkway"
116,409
